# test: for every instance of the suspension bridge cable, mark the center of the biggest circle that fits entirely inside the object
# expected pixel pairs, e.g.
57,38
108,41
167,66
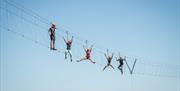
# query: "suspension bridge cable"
43,45
22,8
58,34
63,29
28,21
33,40
46,21
33,14
31,22
7,10
21,17
18,6
26,37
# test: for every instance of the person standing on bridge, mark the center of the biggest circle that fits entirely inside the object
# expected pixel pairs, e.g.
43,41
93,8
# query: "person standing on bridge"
52,36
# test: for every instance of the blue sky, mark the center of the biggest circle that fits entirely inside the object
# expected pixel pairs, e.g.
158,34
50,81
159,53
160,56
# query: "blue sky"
144,29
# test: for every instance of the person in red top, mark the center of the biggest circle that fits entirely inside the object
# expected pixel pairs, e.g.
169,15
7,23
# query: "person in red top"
88,55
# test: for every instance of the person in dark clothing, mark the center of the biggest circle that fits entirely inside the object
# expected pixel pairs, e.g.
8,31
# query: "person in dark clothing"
109,59
121,63
52,36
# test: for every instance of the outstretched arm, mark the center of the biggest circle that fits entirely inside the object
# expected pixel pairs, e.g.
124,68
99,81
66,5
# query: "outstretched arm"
91,47
64,40
72,38
112,55
84,48
105,55
119,54
124,58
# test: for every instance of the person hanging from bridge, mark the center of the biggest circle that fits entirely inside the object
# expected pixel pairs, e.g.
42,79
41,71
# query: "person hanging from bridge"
121,62
52,36
68,48
88,54
109,59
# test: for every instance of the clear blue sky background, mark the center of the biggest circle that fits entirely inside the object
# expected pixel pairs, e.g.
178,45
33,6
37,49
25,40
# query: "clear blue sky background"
145,29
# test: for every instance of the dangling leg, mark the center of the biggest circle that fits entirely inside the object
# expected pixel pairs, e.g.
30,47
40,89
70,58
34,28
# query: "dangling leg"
50,42
54,45
92,61
51,45
66,54
53,42
70,54
105,67
111,66
121,69
82,59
